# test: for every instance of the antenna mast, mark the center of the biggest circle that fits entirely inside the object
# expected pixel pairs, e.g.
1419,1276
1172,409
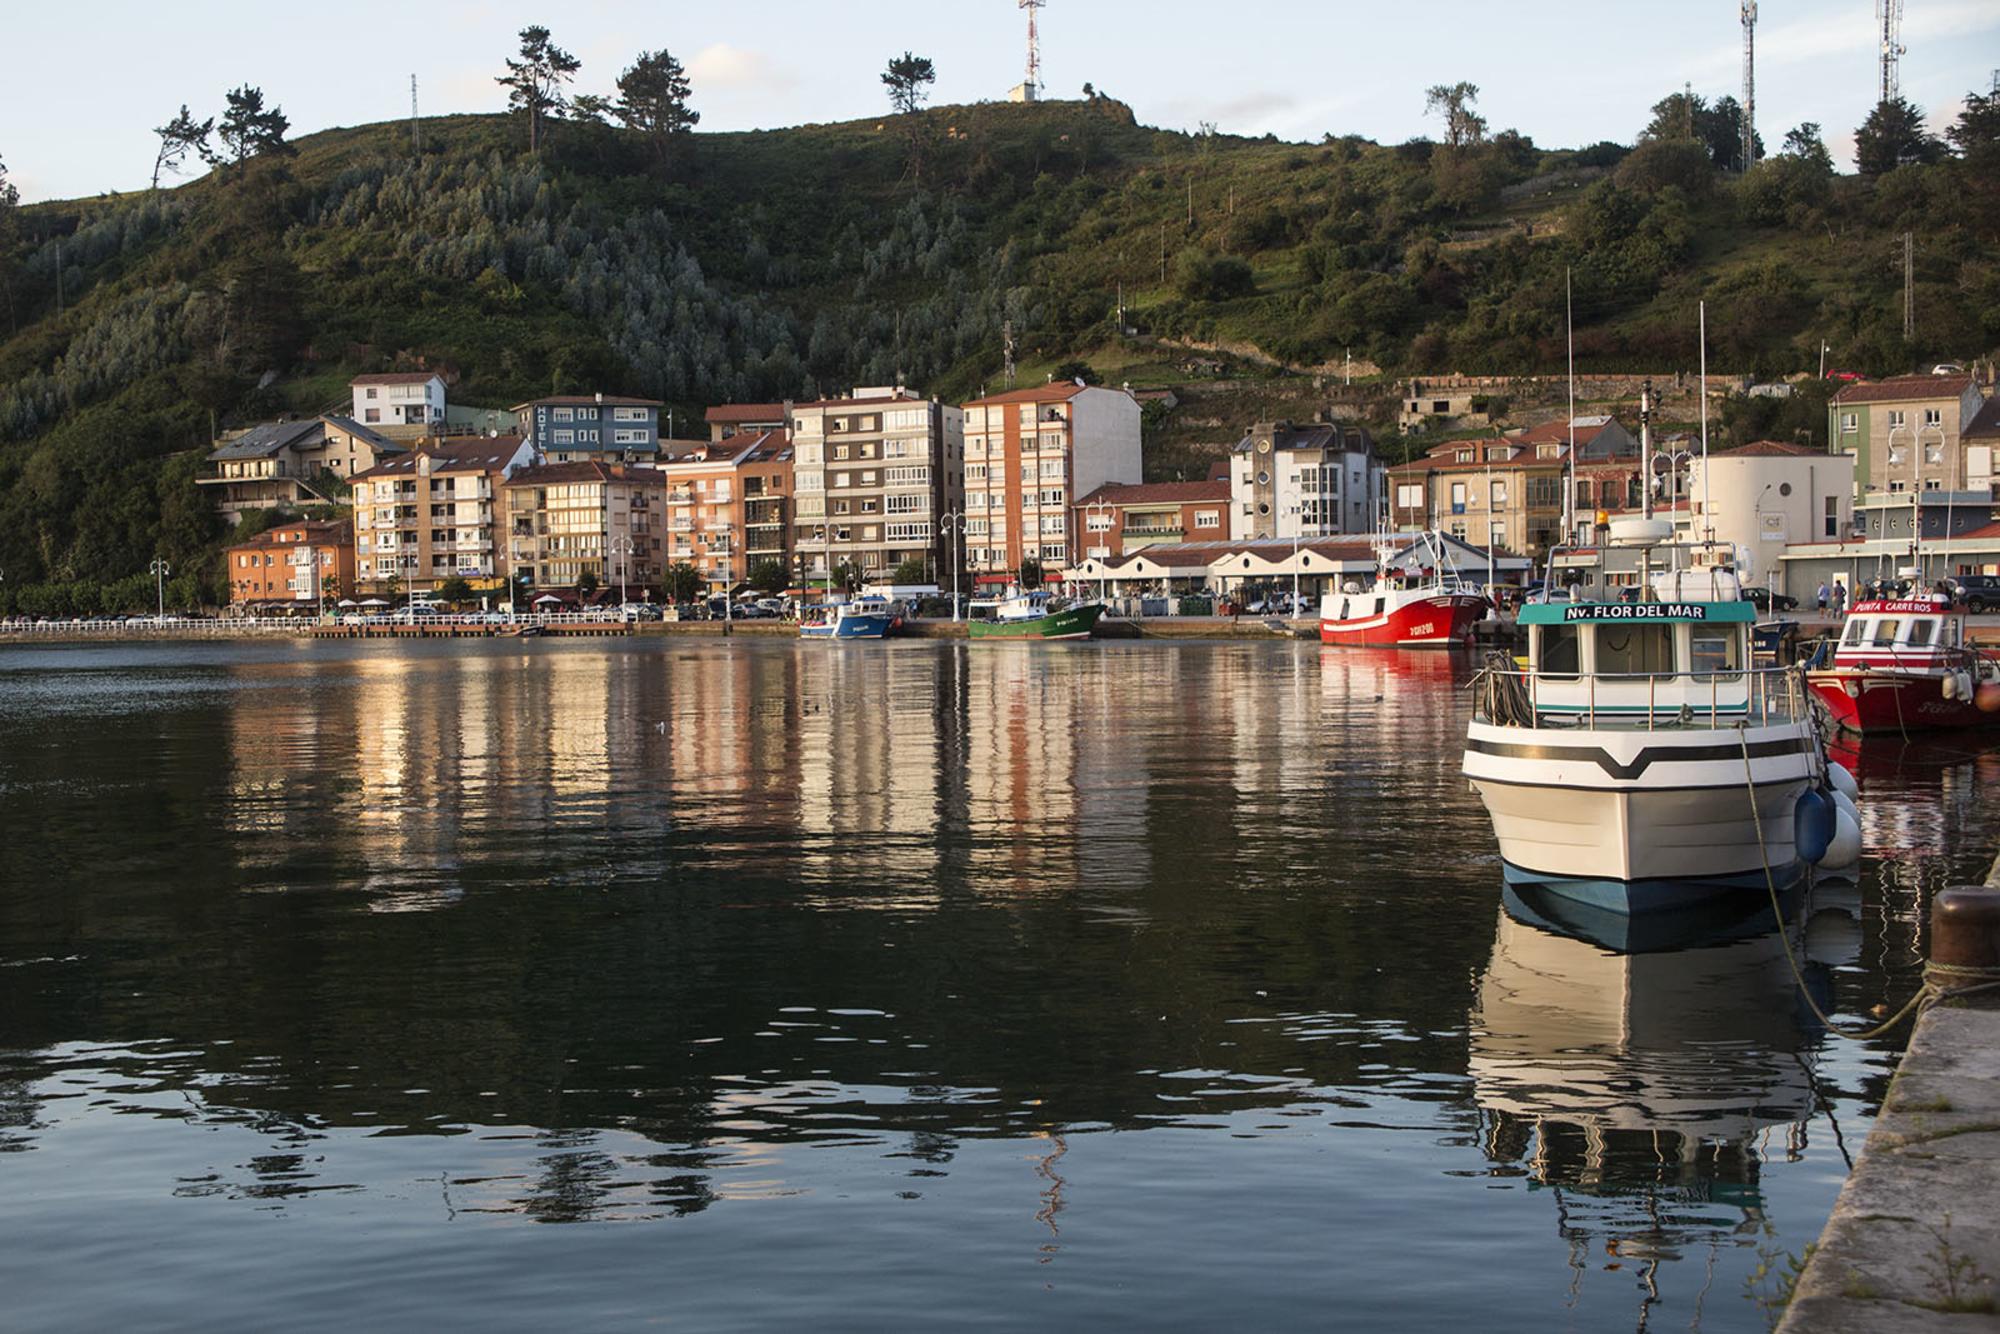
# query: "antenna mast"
1889,14
1033,85
416,126
1749,83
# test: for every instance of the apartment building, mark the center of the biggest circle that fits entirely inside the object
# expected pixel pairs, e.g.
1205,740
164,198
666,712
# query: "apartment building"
1116,520
283,465
402,404
729,507
434,514
591,428
876,472
606,520
1317,480
732,419
1028,453
1509,491
295,564
1915,433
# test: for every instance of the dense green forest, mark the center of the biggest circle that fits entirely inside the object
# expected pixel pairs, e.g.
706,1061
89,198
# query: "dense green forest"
701,268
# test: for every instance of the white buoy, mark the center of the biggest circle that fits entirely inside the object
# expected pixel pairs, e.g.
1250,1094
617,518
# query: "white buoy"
1845,850
1841,779
1843,802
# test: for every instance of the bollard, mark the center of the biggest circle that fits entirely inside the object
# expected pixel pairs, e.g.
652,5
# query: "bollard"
1965,937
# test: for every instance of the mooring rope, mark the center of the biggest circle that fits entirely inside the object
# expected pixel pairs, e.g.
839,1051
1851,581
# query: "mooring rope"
1928,993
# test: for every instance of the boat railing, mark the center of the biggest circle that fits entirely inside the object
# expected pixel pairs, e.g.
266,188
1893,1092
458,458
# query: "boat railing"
1515,697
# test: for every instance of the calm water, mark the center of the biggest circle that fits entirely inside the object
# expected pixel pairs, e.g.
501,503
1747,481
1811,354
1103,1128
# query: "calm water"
866,986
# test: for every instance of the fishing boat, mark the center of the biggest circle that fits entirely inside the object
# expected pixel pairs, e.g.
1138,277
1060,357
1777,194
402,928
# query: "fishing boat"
1427,608
1902,665
867,618
1641,762
1035,615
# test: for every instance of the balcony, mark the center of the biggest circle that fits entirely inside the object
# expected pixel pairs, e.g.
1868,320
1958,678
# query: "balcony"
472,544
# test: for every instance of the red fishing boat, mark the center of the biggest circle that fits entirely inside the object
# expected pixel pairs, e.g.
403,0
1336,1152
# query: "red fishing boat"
1902,665
1423,608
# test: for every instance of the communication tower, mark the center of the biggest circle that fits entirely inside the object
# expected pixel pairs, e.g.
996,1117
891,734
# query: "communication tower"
1031,87
1889,16
1749,83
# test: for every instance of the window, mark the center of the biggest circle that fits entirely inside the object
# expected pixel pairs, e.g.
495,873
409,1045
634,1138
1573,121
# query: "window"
1559,653
1713,650
1409,497
1499,494
1496,534
1208,518
1627,649
1583,493
373,415
1850,423
1832,519
1933,416
1458,497
1895,418
629,414
1885,631
563,415
1921,632
1097,522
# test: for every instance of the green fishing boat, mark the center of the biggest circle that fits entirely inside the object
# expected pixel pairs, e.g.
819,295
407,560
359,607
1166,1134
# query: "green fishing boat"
1033,616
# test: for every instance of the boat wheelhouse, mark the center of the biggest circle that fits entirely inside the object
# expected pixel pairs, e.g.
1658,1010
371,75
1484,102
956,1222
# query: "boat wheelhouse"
1620,766
1902,665
1035,615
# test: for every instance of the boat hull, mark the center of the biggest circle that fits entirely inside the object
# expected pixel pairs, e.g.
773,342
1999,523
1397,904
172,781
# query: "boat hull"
1069,623
1874,700
1438,620
1638,821
850,627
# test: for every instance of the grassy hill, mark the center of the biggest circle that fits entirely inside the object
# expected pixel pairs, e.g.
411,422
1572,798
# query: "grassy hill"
792,262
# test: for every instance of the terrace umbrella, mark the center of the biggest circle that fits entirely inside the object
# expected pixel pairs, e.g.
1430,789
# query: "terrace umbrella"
374,602
347,602
548,598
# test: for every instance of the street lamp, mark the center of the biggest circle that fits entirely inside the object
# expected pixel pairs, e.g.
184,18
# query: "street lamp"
1946,481
621,545
1103,507
952,529
159,569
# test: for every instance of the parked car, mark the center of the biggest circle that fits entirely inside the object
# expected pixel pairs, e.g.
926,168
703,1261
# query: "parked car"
1765,600
1976,592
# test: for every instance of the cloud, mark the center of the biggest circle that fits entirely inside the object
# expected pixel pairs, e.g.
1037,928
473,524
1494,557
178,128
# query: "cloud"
1852,32
725,66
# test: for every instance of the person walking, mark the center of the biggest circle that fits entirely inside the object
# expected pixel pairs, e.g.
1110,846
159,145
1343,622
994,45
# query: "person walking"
1839,598
1822,597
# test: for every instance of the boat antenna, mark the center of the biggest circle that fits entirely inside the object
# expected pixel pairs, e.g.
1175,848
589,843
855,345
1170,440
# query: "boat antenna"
1569,491
1707,514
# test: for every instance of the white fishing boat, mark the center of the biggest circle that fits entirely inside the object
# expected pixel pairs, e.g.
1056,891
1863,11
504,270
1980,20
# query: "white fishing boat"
1639,761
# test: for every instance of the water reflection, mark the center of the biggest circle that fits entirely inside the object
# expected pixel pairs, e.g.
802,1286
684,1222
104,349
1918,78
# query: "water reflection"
1076,965
1645,1090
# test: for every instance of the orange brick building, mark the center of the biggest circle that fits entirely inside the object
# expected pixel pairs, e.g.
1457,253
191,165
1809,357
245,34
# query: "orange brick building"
294,565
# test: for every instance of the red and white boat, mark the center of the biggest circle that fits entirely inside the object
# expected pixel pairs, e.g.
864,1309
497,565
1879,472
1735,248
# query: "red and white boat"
1430,608
1902,665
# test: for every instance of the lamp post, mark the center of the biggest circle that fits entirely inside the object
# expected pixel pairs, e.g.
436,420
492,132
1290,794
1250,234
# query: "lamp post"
159,569
622,546
952,528
1946,481
1103,507
1916,487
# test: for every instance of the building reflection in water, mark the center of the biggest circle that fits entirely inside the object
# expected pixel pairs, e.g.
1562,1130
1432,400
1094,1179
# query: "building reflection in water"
1644,1090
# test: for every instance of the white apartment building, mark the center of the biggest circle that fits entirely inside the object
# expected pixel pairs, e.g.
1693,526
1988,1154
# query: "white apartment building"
401,403
1318,480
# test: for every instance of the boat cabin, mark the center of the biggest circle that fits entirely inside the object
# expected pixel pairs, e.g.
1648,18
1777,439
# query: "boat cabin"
1910,631
1649,664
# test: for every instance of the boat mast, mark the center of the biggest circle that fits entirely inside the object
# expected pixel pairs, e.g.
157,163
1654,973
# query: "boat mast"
1569,491
1707,515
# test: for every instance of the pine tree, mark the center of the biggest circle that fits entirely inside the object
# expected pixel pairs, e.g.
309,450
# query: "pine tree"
535,81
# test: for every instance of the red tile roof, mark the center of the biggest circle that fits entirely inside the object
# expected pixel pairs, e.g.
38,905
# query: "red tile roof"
1158,493
1905,388
558,474
473,453
397,377
337,531
1058,391
731,414
1770,449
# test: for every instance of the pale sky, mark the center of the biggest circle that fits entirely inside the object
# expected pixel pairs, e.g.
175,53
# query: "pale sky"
83,87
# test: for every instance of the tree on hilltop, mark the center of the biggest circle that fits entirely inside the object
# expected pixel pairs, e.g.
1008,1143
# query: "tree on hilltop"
10,209
1894,136
535,82
248,129
1463,127
179,137
653,99
908,80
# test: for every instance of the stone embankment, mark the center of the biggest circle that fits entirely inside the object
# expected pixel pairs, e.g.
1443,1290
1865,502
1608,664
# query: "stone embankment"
1914,1240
